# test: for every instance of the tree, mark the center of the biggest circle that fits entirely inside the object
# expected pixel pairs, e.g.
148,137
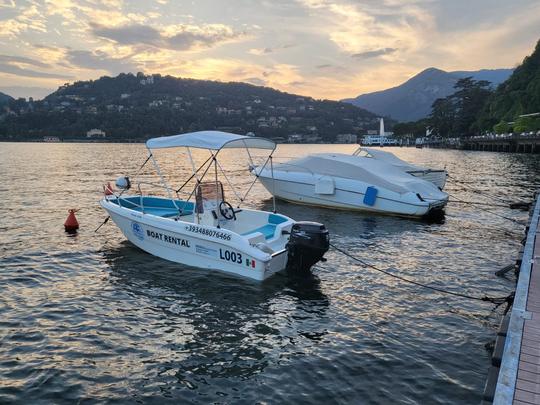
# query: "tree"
501,128
526,124
442,116
469,99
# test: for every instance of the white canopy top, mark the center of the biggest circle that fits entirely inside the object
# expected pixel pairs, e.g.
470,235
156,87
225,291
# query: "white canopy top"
214,140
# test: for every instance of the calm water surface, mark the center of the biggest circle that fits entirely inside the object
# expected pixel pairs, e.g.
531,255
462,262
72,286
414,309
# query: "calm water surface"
92,317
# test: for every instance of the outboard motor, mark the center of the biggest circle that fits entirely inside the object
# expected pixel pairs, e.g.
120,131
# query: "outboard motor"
308,243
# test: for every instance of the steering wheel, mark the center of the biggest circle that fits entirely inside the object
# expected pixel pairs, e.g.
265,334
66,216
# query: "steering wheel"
227,210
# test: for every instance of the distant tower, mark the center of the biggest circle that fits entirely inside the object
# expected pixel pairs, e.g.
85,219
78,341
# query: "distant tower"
381,127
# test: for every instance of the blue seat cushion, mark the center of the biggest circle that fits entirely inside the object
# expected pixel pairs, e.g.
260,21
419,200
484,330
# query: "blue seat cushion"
267,230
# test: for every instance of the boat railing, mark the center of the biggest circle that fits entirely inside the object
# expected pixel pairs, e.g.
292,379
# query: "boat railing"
141,194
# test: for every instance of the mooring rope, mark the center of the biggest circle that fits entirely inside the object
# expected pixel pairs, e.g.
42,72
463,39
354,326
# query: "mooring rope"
493,300
488,211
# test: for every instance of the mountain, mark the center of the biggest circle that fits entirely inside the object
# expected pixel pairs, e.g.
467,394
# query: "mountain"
412,100
140,106
518,95
4,98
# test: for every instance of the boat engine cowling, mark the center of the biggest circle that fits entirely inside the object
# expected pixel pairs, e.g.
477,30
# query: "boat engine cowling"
308,242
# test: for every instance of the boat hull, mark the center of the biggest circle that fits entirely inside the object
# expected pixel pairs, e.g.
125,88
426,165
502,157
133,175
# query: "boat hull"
348,195
195,245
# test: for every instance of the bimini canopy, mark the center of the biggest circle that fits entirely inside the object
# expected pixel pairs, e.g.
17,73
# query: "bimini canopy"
213,140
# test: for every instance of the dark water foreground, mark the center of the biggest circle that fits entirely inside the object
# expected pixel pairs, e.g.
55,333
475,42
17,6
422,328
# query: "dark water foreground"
91,317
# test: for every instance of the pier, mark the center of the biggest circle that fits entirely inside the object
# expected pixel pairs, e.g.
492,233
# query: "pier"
514,377
512,143
504,143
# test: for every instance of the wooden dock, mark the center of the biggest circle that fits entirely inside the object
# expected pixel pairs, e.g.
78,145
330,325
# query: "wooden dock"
518,380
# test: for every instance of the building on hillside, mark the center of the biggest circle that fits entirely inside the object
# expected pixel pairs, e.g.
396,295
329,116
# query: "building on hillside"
51,139
346,138
295,138
95,133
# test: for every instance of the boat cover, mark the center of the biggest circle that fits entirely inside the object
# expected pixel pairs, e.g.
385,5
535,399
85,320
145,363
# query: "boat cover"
214,140
371,171
393,160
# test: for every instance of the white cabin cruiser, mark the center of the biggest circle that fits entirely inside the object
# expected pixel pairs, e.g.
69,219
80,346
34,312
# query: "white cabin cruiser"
349,182
208,232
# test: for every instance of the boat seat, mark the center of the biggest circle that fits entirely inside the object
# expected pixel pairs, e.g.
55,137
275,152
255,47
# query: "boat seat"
269,229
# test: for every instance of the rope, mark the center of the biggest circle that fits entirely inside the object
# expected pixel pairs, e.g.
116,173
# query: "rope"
477,203
491,212
508,203
494,300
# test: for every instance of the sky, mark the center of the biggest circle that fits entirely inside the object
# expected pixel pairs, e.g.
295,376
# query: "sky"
318,48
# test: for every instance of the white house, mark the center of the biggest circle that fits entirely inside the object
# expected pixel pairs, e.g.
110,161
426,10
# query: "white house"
95,133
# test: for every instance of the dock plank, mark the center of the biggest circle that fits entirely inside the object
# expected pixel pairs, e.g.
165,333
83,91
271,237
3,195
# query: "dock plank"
527,388
518,381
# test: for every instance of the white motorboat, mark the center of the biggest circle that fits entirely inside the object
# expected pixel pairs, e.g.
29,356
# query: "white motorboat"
435,176
350,182
208,232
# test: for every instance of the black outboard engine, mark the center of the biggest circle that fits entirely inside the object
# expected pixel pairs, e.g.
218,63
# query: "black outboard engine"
308,243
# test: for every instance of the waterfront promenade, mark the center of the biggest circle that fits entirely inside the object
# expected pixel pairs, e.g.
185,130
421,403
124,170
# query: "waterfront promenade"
519,375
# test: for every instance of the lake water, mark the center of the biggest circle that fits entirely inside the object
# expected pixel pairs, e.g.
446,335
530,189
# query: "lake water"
92,317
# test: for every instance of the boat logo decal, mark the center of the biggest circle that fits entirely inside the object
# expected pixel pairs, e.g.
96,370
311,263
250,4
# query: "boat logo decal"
208,232
168,238
137,230
205,250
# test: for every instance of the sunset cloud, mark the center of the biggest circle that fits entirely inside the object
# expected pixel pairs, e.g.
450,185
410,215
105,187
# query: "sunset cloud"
179,37
321,48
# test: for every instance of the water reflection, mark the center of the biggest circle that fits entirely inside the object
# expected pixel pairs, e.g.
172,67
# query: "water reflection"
230,327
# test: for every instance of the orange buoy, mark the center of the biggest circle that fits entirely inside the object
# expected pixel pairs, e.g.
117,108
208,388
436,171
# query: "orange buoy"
71,224
107,189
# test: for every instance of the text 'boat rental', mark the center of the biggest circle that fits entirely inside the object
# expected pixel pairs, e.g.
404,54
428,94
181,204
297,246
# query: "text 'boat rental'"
209,232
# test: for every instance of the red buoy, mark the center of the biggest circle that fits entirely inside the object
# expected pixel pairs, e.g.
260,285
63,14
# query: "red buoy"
107,189
71,224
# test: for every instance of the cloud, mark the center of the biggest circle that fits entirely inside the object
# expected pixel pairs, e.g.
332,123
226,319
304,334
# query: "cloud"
267,50
23,60
19,71
260,51
374,54
363,26
178,37
129,34
99,60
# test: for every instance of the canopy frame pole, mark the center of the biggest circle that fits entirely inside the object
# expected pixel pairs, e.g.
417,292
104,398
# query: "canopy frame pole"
249,153
256,177
273,184
191,161
217,186
199,180
195,173
238,197
158,170
165,184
